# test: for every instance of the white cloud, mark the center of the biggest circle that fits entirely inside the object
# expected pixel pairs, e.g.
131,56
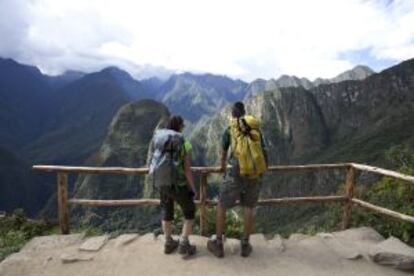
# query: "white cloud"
245,39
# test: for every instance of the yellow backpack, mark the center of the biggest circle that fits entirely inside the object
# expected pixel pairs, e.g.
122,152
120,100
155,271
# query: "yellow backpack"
246,146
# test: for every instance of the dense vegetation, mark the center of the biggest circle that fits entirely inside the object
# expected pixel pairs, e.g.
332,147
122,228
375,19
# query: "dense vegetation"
16,229
388,192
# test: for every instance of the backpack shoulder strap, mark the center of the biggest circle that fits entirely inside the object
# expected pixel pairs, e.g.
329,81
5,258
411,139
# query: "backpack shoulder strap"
167,144
247,128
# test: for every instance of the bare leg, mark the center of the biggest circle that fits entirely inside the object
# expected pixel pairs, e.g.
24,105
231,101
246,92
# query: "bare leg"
220,220
167,228
187,228
248,222
216,246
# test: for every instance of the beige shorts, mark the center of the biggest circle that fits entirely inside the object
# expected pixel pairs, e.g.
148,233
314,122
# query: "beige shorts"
242,189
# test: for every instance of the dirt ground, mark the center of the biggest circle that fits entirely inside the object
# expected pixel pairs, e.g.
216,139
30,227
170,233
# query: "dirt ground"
324,254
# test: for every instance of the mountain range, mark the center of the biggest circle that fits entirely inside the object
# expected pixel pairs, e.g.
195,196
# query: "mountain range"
357,73
350,121
67,119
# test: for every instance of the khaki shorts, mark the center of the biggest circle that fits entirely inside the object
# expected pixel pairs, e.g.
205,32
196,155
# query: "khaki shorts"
242,189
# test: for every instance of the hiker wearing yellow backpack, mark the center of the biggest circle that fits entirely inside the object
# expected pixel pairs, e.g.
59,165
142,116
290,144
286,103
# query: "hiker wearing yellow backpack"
242,181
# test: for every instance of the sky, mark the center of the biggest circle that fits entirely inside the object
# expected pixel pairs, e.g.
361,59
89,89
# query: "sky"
240,39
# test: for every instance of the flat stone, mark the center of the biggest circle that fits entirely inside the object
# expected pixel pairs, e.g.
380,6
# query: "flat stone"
258,240
150,238
365,234
198,239
16,258
73,258
125,239
325,235
47,260
343,248
393,252
277,243
231,246
298,237
52,241
94,243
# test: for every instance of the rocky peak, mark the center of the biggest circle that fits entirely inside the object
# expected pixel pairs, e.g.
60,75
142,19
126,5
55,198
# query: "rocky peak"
194,96
293,81
359,72
126,145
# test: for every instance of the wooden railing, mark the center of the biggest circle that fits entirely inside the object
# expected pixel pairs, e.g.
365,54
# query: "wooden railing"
347,199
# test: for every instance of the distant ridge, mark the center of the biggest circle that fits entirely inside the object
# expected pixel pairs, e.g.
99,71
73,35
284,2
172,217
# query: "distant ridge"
359,72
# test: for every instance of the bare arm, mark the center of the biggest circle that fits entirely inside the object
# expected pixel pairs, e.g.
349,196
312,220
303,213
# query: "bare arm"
225,145
223,160
188,173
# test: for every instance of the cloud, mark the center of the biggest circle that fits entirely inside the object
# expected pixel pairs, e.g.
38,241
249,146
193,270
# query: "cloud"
13,27
243,39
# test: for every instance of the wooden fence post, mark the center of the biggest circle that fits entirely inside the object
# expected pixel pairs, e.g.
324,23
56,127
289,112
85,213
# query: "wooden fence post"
203,196
349,193
62,195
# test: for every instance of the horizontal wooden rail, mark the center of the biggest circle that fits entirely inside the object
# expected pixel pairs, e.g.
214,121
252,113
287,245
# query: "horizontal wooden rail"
384,172
382,210
114,202
205,170
102,170
347,199
296,200
150,201
127,202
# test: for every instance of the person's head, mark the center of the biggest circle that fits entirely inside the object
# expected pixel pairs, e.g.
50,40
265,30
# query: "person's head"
176,123
238,110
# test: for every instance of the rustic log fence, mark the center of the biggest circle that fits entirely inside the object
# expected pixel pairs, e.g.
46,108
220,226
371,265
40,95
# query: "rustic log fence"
347,199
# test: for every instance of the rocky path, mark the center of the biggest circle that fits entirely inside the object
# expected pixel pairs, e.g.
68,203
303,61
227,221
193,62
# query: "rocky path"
349,252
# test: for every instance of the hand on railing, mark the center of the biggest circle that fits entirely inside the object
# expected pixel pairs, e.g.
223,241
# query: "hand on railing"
194,194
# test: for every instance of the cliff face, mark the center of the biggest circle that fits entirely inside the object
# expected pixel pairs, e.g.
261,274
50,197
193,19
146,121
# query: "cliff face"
364,118
300,125
351,121
194,96
126,145
292,126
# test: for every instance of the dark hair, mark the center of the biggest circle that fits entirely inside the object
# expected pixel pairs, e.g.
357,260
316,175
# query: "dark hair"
238,110
175,123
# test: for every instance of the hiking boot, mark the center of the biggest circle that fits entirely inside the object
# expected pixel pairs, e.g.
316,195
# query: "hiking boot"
216,247
186,249
170,246
246,248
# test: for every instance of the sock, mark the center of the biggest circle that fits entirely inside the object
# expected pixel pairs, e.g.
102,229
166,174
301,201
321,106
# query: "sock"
184,240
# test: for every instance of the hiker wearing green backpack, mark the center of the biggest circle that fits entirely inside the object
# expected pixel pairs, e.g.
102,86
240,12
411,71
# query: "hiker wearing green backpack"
170,170
242,181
